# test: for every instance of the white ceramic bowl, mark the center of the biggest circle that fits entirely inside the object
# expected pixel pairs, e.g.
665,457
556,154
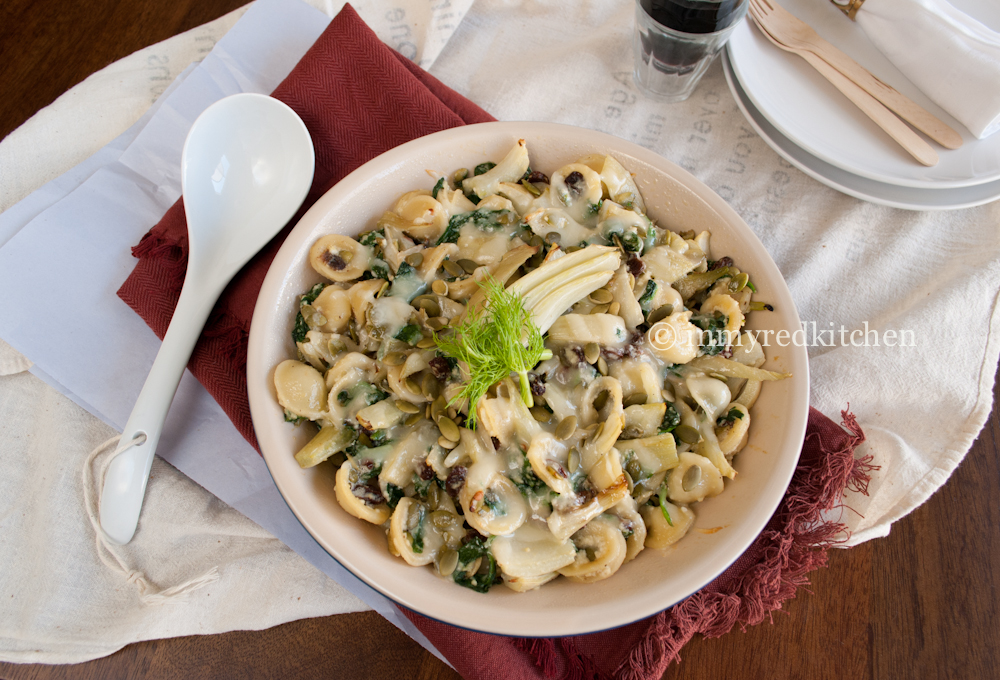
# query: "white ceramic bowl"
726,524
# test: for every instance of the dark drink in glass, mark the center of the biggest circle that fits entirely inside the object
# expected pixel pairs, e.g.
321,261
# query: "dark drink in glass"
694,16
676,41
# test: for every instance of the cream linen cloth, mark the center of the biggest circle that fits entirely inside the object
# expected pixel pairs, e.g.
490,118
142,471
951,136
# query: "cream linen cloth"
953,58
61,603
851,266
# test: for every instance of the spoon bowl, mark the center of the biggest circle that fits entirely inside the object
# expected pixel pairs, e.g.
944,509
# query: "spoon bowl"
246,167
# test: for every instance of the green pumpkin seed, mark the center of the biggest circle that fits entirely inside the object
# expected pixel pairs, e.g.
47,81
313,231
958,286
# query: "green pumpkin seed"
660,313
687,434
452,268
614,308
446,444
447,562
394,359
633,469
415,259
542,415
406,407
692,476
433,500
425,343
531,188
566,428
437,323
429,386
438,406
412,420
468,265
440,286
602,366
442,519
449,430
598,431
428,303
412,385
592,352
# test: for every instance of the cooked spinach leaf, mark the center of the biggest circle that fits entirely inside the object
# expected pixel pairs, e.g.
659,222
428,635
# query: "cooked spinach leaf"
671,419
467,556
713,337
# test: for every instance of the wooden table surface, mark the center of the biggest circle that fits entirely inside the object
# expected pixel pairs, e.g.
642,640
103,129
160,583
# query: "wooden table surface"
921,603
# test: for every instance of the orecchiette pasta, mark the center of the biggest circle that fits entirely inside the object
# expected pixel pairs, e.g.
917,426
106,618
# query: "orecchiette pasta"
521,377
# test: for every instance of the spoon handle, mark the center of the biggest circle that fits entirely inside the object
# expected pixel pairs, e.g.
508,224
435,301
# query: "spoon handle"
125,481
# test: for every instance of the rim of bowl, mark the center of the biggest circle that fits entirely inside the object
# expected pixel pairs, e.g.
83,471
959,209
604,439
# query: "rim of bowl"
553,613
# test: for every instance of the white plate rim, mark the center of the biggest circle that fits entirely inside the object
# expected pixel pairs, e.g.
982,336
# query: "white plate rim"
891,195
583,619
801,134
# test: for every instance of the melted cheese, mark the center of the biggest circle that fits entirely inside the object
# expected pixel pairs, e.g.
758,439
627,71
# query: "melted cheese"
483,247
389,314
712,395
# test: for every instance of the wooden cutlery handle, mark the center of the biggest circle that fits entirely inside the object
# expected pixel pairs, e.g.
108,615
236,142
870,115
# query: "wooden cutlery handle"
882,116
902,105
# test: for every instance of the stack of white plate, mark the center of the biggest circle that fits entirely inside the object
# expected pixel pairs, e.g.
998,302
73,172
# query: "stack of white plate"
815,128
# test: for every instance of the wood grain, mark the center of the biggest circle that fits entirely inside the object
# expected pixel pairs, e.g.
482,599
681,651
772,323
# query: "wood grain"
361,646
48,47
921,603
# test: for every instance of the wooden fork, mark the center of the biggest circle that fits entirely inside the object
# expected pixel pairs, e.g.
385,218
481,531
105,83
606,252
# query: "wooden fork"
882,116
795,34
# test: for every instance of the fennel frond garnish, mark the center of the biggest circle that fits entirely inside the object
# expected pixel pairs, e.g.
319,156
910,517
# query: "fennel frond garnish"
494,341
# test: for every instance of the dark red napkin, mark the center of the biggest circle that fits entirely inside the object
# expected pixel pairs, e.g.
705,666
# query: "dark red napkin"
359,99
793,543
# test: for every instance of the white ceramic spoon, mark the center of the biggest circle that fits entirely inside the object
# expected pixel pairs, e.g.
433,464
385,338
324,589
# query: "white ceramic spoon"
246,167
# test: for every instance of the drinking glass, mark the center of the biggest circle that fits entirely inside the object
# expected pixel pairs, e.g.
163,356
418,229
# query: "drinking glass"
676,40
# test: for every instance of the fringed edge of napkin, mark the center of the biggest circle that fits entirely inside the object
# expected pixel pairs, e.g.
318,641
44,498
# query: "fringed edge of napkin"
794,543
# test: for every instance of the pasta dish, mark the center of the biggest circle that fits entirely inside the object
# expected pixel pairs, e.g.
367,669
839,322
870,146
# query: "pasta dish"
522,376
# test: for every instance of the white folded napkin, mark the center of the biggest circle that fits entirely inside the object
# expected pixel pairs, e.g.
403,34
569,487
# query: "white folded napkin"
953,58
